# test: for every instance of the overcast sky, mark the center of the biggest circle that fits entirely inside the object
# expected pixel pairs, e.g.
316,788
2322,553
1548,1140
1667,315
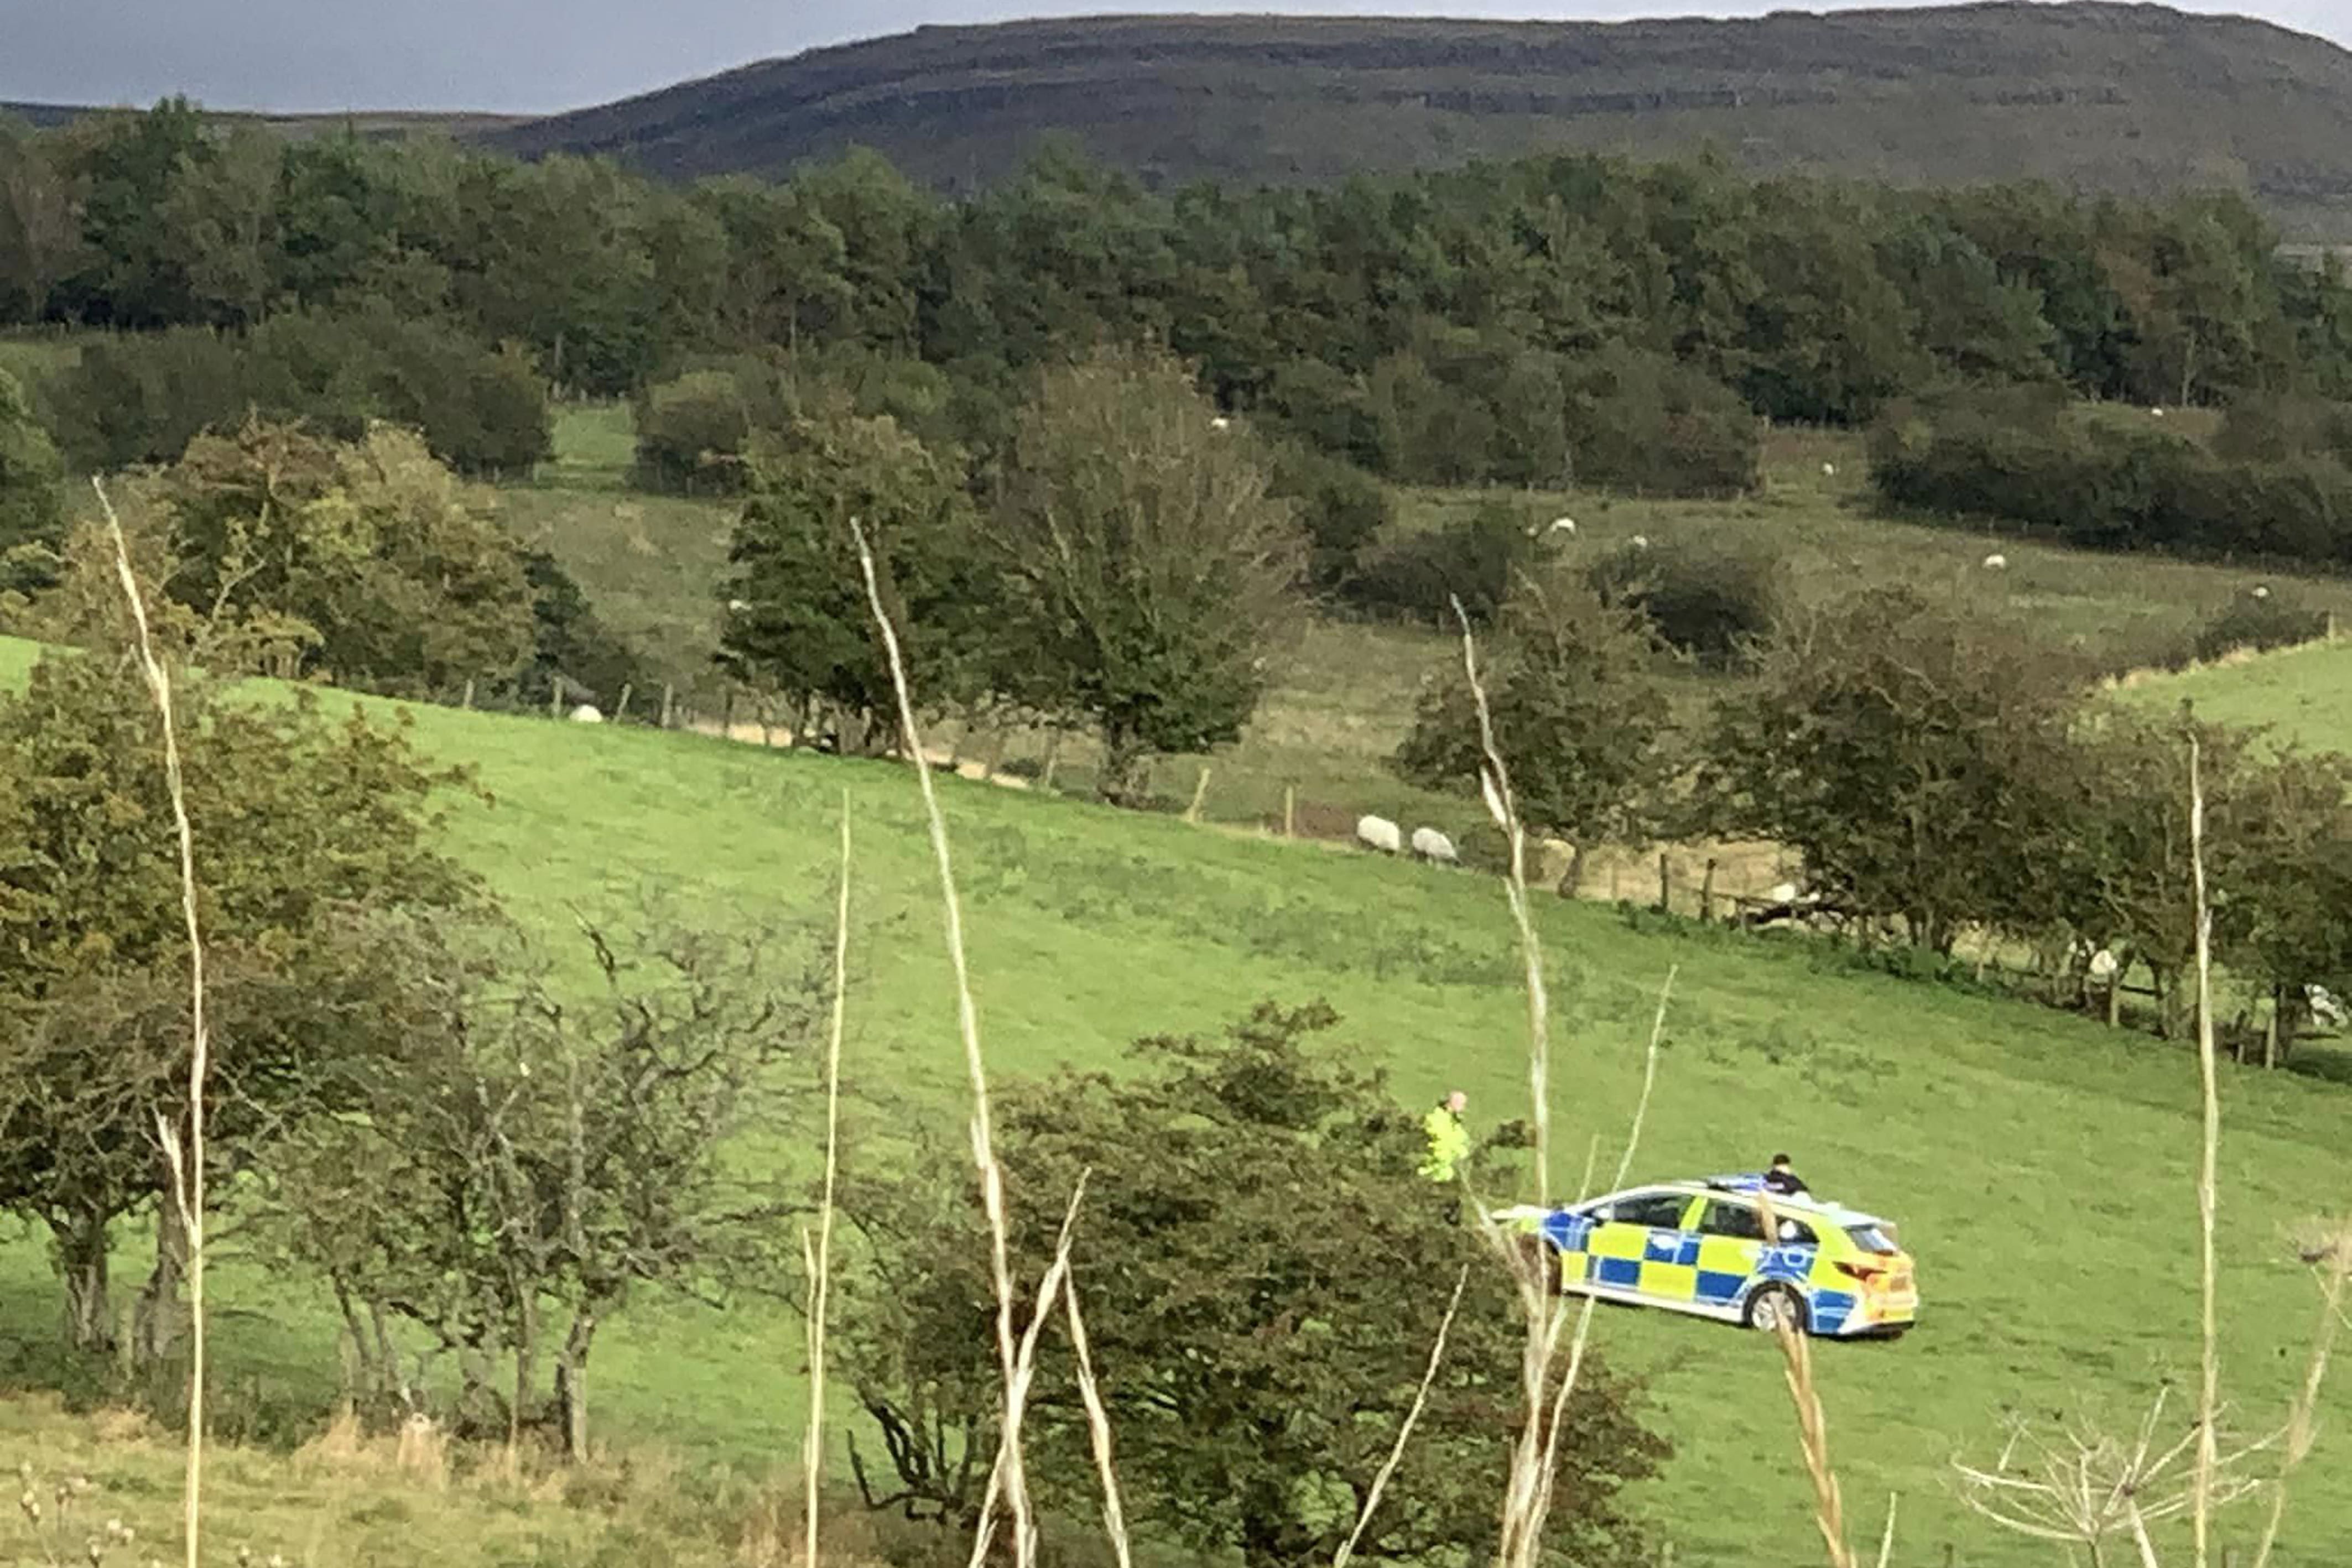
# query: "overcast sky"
534,56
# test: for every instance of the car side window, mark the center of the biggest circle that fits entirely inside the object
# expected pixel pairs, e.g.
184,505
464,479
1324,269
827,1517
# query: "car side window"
1797,1233
1659,1211
1738,1220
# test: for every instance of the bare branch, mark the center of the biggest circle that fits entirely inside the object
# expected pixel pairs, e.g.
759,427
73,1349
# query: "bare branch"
983,1141
188,1167
821,1263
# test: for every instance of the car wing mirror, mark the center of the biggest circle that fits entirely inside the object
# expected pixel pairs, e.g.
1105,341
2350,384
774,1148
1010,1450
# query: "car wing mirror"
1604,1214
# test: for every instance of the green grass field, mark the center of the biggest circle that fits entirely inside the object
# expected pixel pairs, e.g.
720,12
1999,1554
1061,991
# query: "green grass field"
2042,1167
2303,694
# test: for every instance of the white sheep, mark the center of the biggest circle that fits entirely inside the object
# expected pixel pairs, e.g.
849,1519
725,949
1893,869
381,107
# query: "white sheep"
1221,422
1432,845
2261,591
1996,562
1641,541
1782,893
1562,525
2103,968
586,713
2156,414
1828,470
1379,833
2325,1007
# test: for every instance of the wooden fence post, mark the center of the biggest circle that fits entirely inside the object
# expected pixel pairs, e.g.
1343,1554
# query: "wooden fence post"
670,703
1666,885
727,716
1706,891
555,698
1289,810
468,700
1200,793
622,711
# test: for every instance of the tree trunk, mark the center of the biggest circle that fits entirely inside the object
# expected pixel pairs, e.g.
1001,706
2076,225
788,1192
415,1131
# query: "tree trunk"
1123,769
526,1372
572,1384
160,1318
80,1241
1572,880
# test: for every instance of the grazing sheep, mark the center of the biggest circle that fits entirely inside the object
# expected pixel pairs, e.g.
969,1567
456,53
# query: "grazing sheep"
1432,845
2156,414
1641,541
586,713
1783,893
1996,562
2261,591
737,606
1562,525
2102,967
2325,1007
1379,833
1828,470
1221,422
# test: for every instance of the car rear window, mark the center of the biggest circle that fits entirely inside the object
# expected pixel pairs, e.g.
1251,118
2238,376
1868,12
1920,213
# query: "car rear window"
1872,1239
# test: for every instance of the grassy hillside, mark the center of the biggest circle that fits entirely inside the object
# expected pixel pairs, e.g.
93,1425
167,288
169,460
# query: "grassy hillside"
2041,1166
2305,693
2134,99
1345,696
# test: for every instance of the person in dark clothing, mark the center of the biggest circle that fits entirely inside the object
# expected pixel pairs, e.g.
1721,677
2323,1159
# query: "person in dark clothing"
1783,1179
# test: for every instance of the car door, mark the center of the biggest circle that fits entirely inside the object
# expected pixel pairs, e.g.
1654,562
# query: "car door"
1730,1252
1637,1245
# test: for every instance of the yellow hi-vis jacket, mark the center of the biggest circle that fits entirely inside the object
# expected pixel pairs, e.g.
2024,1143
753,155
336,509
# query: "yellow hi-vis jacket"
1449,1144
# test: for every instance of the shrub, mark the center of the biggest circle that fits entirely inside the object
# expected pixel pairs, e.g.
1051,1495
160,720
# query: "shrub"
1710,598
1642,421
693,432
1342,509
141,400
2260,620
1473,559
2270,427
32,521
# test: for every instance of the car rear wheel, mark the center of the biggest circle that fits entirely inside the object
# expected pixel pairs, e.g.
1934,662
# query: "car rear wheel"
1773,1305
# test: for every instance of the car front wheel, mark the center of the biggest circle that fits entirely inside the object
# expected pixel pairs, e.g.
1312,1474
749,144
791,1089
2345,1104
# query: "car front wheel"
1773,1305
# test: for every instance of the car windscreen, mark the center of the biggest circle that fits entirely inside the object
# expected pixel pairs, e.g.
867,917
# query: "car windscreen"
1872,1239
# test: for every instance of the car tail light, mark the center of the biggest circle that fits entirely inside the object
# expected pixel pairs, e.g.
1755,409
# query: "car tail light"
1871,1275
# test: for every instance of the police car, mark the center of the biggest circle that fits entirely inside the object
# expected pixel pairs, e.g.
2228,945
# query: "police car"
1701,1248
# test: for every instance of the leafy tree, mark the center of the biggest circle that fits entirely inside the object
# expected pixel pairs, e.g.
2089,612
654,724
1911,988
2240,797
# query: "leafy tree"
298,820
1256,1371
1475,558
1911,751
1711,596
797,616
1639,422
1342,509
373,546
38,229
32,517
1580,718
573,643
1149,573
530,1161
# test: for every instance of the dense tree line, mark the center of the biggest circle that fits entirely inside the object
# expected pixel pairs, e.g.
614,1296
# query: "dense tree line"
1556,319
2276,483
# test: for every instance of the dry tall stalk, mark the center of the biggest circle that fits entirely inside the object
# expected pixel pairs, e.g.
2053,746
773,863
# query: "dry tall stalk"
983,1141
1405,1430
2208,1395
187,1165
1812,1421
821,1265
1016,1396
1098,1429
1528,1492
2300,1425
